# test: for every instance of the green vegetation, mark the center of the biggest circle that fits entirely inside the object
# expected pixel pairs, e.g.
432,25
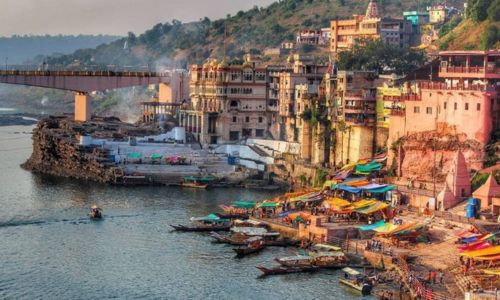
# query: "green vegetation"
449,26
477,10
446,41
320,177
489,38
492,149
382,57
257,28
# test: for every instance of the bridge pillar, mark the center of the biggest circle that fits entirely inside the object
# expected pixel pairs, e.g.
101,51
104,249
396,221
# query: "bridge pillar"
165,93
82,107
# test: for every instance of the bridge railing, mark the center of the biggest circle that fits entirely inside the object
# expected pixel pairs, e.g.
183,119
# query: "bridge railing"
82,73
93,68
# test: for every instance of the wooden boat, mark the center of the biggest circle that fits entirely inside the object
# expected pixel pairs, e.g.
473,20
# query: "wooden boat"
235,239
286,270
295,261
254,245
284,242
196,182
202,227
355,280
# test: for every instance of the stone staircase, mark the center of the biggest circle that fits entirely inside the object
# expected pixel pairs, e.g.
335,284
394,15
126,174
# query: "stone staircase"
258,150
465,283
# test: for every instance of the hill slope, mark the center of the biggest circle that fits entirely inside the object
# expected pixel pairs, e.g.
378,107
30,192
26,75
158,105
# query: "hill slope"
19,49
252,30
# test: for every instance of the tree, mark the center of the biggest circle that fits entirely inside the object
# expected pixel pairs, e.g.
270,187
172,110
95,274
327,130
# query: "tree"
489,37
494,11
477,10
375,55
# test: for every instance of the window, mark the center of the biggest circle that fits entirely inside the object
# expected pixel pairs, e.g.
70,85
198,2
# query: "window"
466,106
261,119
445,105
247,119
455,106
235,119
428,110
478,106
416,109
259,132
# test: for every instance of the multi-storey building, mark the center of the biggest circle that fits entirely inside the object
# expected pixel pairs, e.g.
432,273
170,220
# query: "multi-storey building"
468,90
345,33
304,71
313,36
229,102
461,107
355,122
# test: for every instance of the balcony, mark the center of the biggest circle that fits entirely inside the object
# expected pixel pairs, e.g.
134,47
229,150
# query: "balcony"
490,72
397,112
429,85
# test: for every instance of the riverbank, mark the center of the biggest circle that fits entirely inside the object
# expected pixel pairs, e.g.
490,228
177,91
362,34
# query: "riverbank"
21,119
109,151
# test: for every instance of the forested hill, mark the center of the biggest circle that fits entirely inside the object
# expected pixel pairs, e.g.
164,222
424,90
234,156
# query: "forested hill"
18,49
249,31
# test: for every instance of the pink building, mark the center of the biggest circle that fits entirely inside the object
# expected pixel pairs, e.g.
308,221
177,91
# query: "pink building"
465,100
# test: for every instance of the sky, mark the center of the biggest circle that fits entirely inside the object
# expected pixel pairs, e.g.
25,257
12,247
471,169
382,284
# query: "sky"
116,17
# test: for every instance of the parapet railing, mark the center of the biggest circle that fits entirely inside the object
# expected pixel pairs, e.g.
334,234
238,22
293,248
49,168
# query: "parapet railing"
82,73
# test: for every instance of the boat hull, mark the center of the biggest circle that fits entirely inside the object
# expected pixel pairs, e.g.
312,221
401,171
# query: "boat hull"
200,229
286,270
364,289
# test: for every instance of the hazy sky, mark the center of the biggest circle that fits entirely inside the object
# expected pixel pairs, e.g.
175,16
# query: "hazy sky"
108,16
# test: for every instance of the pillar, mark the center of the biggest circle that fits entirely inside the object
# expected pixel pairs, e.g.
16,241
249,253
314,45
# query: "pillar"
82,107
165,93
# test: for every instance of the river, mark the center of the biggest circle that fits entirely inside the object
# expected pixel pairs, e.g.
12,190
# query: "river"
49,249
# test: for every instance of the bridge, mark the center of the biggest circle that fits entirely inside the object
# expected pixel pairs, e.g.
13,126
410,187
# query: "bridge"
84,82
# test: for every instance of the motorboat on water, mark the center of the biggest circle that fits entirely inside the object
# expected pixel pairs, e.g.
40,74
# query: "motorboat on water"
208,223
356,281
95,212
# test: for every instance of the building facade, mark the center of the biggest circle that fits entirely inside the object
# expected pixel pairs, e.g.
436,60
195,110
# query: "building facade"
464,101
229,103
345,33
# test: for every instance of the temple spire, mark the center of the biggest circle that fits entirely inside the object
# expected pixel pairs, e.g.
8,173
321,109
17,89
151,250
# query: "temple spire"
372,10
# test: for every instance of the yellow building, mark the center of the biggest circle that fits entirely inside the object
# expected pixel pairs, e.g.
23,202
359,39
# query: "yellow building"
437,14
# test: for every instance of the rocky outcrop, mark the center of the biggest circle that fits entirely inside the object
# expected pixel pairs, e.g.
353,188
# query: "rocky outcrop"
57,151
421,154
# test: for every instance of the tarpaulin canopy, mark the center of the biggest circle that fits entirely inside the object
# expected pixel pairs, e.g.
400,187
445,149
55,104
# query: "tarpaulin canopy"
244,204
492,272
372,226
367,168
481,245
286,213
314,196
266,204
378,206
381,190
209,218
156,156
363,203
495,250
134,155
194,178
400,228
336,203
488,257
388,227
347,188
357,183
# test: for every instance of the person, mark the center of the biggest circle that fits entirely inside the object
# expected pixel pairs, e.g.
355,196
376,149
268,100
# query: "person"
441,277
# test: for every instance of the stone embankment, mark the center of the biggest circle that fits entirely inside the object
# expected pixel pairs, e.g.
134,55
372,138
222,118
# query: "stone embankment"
57,151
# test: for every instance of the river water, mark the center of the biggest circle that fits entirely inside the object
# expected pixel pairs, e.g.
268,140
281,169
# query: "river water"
49,249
